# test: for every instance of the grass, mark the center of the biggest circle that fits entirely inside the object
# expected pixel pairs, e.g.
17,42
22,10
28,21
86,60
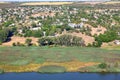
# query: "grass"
25,55
1,71
19,59
52,69
95,68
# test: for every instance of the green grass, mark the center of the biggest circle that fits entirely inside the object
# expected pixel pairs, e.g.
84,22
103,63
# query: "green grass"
25,55
97,69
51,69
1,71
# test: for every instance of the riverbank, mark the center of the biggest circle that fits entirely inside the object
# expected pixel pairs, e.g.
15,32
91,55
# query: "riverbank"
58,59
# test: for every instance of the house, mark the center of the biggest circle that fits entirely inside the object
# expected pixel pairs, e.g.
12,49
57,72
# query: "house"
20,31
35,28
117,42
73,25
83,19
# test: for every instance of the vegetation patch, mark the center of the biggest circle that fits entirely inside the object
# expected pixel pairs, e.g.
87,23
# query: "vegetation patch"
1,71
51,69
19,62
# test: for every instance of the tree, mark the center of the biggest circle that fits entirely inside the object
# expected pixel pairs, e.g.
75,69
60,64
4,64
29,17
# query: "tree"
45,41
106,37
69,40
28,42
4,35
102,65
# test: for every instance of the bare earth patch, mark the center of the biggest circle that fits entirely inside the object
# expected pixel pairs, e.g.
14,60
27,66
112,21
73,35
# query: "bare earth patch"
98,30
21,40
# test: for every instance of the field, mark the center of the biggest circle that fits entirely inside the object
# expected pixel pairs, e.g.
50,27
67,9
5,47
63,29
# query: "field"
70,59
112,2
8,5
45,3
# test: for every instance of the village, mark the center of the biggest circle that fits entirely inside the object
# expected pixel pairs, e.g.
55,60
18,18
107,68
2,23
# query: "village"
35,22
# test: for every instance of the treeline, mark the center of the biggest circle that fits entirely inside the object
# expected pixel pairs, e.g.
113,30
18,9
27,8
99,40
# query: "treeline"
4,35
106,37
64,40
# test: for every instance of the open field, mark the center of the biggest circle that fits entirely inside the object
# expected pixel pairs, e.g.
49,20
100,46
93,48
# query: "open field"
45,3
26,59
112,2
8,5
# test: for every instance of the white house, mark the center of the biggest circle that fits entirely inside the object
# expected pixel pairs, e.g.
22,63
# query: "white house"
73,25
35,28
117,42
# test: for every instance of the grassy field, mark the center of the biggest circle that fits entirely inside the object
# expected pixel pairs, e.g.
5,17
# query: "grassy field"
24,59
45,3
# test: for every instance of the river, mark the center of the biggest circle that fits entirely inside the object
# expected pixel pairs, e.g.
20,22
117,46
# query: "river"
60,76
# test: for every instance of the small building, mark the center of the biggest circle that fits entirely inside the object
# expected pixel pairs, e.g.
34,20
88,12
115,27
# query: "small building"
35,28
73,25
117,42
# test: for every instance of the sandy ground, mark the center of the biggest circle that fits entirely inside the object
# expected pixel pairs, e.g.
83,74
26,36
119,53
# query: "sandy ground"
99,30
46,3
16,39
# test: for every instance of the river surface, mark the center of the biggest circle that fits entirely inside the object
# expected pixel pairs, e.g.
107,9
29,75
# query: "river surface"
60,76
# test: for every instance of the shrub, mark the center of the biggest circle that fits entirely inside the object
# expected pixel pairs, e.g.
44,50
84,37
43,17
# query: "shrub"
14,44
28,42
102,65
1,71
45,41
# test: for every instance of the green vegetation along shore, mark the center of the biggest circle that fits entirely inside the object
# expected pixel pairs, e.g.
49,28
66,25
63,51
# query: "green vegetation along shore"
58,59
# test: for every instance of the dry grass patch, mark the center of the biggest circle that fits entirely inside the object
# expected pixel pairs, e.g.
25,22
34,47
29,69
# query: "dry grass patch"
71,66
112,2
45,3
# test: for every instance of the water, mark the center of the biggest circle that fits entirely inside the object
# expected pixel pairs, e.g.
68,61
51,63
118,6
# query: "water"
60,76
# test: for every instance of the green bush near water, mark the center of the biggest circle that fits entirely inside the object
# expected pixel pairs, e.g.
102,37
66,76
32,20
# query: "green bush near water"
1,71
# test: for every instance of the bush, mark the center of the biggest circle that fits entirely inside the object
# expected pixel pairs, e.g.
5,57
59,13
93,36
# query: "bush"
1,71
14,44
106,37
102,65
45,41
28,42
69,40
